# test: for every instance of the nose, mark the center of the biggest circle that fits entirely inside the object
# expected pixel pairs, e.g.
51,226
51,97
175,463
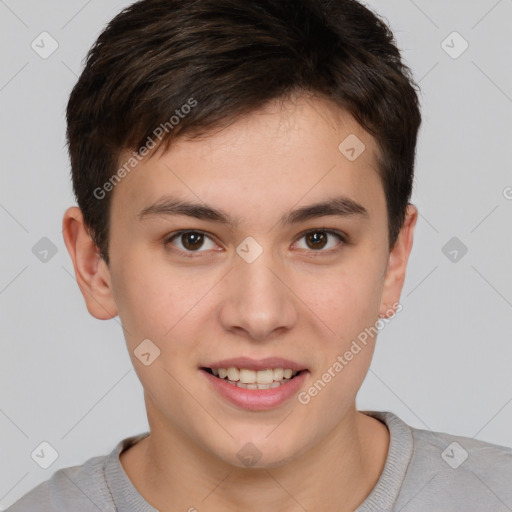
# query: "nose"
259,300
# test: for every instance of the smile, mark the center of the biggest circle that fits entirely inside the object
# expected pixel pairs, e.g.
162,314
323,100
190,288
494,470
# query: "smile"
266,388
251,379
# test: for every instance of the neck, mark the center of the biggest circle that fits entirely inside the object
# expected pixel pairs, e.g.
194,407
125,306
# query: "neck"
336,474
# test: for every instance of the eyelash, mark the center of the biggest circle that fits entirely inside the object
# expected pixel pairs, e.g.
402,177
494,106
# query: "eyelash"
194,254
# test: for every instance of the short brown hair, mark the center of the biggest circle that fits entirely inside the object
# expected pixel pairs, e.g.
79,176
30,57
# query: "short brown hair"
231,57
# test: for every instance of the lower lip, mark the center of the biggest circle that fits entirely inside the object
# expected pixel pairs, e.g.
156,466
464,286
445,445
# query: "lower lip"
256,399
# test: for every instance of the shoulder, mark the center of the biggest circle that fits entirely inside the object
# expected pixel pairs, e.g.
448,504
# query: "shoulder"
38,499
80,488
427,470
458,471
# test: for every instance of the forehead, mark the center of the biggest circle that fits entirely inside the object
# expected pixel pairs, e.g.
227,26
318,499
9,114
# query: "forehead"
283,154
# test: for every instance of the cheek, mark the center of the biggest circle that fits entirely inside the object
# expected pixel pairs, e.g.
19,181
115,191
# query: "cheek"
347,299
156,305
140,304
162,305
350,309
150,298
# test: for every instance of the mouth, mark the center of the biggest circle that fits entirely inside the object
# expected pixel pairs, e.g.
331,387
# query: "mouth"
256,384
247,378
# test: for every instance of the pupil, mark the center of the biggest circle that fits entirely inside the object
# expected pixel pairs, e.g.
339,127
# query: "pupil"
195,239
318,241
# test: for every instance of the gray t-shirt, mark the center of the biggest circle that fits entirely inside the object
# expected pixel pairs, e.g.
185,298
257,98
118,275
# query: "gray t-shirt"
424,472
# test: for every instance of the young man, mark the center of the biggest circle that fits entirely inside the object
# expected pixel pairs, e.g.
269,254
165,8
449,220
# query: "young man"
243,171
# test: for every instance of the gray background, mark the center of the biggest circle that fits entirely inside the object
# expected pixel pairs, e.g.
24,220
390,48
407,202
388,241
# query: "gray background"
444,363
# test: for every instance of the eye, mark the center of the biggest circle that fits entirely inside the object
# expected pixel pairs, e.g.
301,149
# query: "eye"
190,242
318,239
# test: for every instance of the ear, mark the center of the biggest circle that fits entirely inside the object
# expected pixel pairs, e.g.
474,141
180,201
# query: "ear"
397,263
91,271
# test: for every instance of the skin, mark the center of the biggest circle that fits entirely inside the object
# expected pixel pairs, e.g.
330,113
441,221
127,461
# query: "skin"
324,455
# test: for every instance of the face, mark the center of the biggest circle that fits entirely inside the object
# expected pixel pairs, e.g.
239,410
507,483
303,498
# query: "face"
262,276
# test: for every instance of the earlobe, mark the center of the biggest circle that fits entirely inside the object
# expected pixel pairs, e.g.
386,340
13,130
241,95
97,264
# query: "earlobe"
91,271
397,263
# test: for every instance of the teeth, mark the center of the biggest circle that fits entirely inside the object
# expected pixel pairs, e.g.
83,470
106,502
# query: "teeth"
258,386
278,373
254,379
265,376
233,374
247,376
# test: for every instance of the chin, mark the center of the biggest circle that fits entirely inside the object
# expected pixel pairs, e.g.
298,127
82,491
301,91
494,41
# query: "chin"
259,447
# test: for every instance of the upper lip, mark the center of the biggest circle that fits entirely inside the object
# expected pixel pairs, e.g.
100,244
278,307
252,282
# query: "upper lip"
256,364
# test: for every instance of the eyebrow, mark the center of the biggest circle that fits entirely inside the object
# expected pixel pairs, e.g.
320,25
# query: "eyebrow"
340,206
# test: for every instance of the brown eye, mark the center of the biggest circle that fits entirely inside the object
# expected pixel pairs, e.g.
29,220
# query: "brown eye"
319,239
189,242
192,240
316,239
